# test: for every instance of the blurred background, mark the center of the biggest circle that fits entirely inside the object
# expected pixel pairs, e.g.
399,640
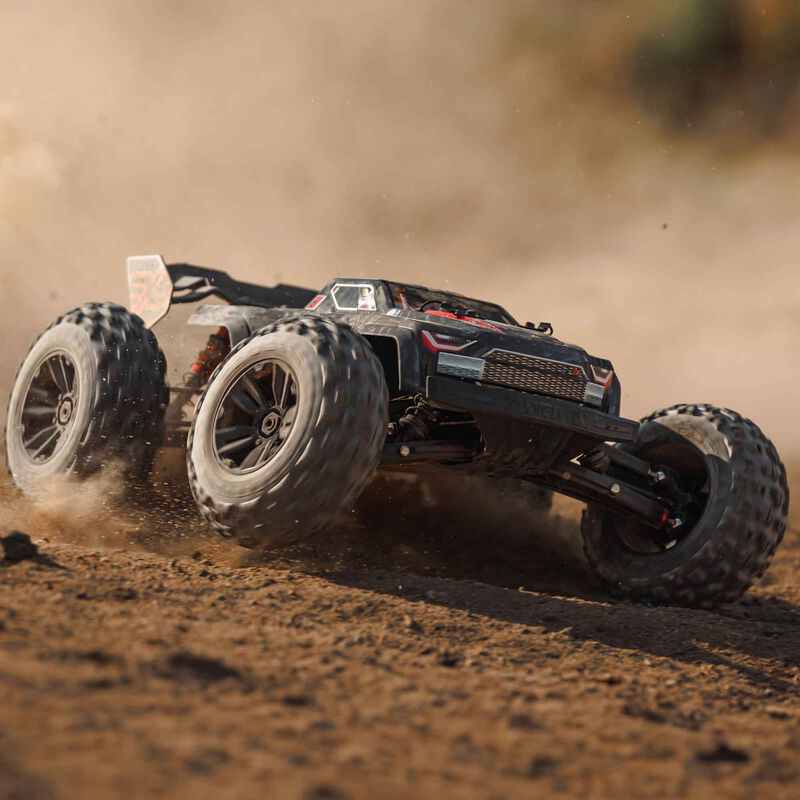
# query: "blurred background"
627,171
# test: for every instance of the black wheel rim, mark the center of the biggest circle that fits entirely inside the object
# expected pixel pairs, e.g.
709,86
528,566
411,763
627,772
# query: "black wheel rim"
48,411
256,416
689,466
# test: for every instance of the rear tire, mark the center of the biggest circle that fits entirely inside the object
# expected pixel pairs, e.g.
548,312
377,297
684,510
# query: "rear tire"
91,391
273,470
739,525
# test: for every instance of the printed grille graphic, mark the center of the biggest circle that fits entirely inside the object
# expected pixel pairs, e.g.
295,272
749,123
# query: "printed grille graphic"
532,374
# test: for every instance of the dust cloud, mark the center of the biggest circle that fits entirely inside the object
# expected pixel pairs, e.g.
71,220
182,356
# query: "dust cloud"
84,512
481,147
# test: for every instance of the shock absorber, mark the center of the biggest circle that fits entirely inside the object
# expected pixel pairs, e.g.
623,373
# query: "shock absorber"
418,421
597,459
209,358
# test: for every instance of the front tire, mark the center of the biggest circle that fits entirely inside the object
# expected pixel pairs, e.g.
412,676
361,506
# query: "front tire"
288,432
91,391
736,521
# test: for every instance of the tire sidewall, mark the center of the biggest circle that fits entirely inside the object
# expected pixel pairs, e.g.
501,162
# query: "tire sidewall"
300,356
75,342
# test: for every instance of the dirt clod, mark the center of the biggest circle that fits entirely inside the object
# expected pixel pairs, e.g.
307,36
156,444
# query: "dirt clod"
17,546
124,593
410,623
541,766
723,752
325,792
524,722
448,659
297,700
185,665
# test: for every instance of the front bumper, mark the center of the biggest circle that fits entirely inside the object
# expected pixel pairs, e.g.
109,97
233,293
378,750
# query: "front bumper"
465,396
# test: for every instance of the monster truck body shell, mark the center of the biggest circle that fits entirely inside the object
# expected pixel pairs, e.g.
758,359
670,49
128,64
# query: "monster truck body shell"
435,352
505,398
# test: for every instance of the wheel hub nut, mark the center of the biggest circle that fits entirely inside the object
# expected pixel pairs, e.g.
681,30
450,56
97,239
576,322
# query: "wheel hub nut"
64,411
270,423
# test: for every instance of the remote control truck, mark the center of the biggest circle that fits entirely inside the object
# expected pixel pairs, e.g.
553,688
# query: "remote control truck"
299,396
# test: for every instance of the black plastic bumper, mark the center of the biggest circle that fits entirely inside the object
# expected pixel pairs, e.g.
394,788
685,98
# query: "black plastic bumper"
480,398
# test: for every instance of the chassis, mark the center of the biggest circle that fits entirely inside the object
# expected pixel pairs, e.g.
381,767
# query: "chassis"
686,506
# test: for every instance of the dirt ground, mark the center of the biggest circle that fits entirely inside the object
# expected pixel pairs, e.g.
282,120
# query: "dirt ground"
419,653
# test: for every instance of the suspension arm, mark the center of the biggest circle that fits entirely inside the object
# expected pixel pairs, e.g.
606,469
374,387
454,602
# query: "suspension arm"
612,493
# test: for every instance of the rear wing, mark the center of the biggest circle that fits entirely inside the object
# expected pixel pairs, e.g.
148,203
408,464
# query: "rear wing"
154,286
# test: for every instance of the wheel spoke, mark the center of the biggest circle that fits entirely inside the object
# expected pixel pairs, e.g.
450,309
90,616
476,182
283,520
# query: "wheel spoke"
243,401
271,445
235,438
288,420
280,386
58,379
257,455
37,436
43,446
62,363
43,396
235,446
39,411
225,435
254,390
287,391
